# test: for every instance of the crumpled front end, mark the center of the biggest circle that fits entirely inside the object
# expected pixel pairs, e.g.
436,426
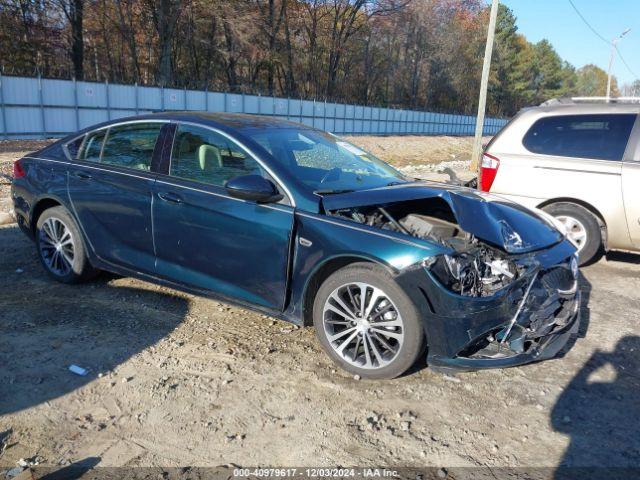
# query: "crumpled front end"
504,289
530,320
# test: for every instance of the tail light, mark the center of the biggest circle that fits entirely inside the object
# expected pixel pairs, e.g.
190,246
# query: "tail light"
18,171
490,165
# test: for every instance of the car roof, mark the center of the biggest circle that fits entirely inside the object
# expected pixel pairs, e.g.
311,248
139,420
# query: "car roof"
236,121
585,108
230,122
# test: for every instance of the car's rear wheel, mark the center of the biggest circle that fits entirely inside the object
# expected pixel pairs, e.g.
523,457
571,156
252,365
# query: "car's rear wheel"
366,323
582,228
61,248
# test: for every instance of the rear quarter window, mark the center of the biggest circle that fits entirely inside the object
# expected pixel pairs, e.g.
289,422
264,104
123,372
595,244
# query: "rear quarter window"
598,136
72,149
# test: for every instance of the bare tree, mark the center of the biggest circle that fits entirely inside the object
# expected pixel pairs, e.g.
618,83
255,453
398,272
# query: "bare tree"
164,14
271,19
74,12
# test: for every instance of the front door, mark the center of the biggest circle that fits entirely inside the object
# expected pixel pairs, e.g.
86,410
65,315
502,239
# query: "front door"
210,240
110,188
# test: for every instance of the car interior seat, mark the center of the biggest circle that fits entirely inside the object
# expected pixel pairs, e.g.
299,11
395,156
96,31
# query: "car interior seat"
209,158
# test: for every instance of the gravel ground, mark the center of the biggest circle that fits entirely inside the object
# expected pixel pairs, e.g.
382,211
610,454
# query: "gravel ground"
177,380
408,150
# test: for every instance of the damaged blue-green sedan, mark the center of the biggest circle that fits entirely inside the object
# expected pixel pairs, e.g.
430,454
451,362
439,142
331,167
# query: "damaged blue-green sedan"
304,226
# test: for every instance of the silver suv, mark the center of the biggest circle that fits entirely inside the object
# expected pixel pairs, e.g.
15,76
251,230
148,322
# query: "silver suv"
579,160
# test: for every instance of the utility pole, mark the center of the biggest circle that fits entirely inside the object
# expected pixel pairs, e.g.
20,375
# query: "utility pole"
613,54
484,82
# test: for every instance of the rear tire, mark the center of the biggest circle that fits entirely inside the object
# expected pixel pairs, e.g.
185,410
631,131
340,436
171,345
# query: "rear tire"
582,226
61,248
382,342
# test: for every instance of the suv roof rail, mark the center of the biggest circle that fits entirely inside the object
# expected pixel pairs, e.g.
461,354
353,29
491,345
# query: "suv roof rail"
574,100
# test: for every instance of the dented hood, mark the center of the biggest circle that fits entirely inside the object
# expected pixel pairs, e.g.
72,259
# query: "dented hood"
492,219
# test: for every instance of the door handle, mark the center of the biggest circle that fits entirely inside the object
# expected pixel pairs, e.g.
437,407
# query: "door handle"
169,197
82,175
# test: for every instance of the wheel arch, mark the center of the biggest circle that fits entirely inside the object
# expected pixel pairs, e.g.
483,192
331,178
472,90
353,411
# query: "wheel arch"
587,206
42,204
323,270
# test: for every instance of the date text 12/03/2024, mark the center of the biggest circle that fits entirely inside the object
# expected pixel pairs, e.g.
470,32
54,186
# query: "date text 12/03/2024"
316,472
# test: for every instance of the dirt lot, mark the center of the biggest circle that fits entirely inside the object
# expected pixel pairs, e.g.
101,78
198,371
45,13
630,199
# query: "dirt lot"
409,150
181,380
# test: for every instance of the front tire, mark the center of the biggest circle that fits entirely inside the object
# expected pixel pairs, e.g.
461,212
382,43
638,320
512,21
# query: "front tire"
61,248
582,228
367,323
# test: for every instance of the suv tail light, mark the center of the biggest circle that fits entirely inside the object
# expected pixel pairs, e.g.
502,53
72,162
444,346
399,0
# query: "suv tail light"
490,165
18,171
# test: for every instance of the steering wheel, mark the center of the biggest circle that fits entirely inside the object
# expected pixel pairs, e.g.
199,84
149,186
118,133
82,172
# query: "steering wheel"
335,171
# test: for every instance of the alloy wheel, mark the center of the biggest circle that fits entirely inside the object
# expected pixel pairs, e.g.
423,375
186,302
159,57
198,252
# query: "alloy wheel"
363,325
576,231
56,246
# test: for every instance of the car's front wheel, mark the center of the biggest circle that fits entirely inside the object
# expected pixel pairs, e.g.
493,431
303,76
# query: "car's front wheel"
367,323
61,248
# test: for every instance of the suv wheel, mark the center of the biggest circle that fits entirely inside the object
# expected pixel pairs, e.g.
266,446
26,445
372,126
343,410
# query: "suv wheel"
583,228
366,322
61,248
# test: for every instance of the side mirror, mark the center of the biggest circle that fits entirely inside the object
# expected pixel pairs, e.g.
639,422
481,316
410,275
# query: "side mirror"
254,188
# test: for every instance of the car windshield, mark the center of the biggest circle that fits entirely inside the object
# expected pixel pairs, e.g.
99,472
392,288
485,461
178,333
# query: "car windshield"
324,162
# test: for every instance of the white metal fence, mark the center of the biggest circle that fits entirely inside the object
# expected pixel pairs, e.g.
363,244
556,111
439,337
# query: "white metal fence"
44,108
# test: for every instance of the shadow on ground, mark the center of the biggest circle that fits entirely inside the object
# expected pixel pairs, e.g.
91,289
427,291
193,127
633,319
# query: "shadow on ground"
600,411
45,326
623,257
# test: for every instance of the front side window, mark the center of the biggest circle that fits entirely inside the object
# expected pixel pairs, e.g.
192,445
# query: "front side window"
131,145
208,157
601,136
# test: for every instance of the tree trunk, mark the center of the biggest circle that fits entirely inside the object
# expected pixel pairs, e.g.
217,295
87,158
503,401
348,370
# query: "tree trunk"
165,16
290,81
232,77
77,42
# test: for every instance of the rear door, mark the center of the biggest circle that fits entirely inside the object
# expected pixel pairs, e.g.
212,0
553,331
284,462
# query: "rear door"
631,185
210,240
110,188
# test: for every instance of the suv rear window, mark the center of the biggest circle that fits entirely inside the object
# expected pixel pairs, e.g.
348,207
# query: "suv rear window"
603,137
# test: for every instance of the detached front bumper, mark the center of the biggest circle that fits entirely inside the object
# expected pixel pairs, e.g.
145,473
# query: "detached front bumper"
500,355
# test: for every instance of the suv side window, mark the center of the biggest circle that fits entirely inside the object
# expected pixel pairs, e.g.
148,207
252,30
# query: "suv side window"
598,136
205,156
131,145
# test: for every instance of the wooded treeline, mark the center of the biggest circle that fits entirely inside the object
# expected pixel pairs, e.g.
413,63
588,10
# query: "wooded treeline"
419,54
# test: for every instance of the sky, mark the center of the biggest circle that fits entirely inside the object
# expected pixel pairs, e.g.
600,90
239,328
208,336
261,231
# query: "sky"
558,22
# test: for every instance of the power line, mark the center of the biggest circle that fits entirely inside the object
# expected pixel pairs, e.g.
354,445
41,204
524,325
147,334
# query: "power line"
601,37
626,64
588,24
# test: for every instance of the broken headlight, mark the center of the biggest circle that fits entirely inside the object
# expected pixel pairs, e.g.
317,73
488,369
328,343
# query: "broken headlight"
481,272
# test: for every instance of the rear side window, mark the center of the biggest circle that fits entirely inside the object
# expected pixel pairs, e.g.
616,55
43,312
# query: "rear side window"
205,156
131,145
602,137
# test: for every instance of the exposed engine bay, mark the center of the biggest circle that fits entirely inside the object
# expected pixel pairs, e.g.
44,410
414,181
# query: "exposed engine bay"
476,269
